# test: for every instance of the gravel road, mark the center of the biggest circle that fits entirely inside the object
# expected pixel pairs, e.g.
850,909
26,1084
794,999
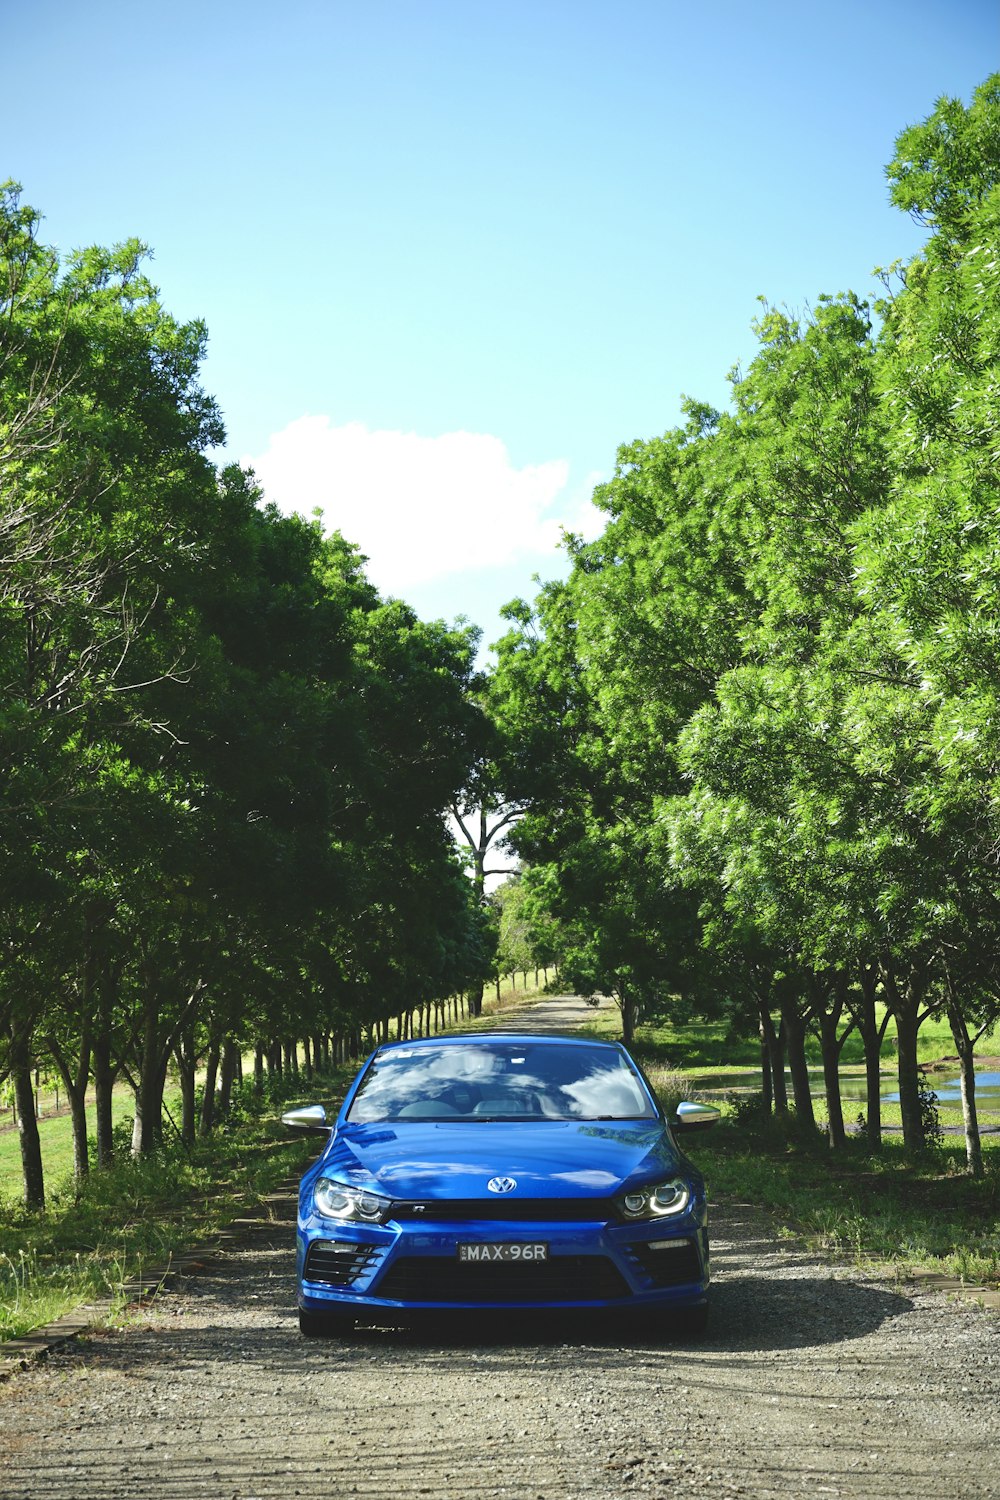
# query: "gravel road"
813,1381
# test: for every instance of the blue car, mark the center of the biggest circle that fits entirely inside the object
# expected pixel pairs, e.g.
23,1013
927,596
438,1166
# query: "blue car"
501,1171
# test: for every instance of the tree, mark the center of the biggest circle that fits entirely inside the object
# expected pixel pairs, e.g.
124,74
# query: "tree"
223,757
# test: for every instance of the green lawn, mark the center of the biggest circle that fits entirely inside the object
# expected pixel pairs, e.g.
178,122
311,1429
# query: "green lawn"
700,1046
716,1065
93,1237
924,1214
57,1145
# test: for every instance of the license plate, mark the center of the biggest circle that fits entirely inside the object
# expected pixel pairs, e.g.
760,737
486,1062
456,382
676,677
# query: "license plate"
507,1251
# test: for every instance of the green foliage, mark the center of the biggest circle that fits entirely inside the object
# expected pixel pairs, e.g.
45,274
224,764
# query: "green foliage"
224,759
766,761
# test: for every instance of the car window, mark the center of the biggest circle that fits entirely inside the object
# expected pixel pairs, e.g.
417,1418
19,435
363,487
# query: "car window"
499,1082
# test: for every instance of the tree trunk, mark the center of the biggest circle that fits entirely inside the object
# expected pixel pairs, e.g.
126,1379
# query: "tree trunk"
149,1098
627,1006
775,1044
75,1082
105,1072
965,1047
475,999
230,1057
766,1087
905,1007
207,1124
831,1047
104,1081
186,1060
793,1028
871,1034
19,1061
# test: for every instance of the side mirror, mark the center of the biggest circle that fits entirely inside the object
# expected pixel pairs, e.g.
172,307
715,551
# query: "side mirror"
695,1116
311,1119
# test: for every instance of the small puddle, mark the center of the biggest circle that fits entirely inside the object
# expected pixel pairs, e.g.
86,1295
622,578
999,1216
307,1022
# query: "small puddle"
948,1090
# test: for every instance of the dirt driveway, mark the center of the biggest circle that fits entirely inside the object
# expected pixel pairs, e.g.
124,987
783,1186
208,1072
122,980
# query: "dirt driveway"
813,1381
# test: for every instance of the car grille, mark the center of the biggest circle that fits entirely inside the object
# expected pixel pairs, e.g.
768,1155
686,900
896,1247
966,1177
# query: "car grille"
563,1278
339,1262
675,1264
527,1210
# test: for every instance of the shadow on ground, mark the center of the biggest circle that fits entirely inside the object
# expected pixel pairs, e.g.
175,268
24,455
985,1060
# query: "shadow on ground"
795,1304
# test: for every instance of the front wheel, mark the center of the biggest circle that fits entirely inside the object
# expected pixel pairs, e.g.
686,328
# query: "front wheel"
324,1325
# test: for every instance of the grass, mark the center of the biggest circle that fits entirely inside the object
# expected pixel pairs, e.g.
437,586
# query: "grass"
705,1046
93,1237
925,1214
916,1215
56,1135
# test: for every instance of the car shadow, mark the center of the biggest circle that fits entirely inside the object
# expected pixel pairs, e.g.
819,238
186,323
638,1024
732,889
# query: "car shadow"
748,1313
794,1304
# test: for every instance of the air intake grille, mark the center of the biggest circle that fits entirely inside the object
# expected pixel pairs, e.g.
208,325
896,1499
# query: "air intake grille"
339,1262
563,1278
676,1263
527,1210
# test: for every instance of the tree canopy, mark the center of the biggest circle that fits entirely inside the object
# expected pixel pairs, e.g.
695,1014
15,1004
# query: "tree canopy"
769,686
225,760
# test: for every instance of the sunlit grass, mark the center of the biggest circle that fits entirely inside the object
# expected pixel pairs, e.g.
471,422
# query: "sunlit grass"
914,1214
700,1045
93,1237
56,1136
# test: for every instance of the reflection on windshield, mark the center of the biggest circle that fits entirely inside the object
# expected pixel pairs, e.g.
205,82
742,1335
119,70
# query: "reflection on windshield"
499,1082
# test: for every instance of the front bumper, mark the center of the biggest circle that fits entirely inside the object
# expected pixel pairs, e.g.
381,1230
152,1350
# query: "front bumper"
361,1269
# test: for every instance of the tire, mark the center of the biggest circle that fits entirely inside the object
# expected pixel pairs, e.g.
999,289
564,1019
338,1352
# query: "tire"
324,1325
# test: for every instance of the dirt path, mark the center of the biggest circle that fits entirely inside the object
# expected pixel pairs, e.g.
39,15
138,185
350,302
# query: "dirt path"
555,1013
813,1381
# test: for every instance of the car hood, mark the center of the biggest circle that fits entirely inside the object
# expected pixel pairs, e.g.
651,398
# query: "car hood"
553,1159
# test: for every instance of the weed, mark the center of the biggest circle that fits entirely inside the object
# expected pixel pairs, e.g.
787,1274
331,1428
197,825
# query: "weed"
671,1088
774,1130
930,1118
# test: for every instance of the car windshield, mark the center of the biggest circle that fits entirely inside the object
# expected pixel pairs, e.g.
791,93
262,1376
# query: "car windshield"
498,1081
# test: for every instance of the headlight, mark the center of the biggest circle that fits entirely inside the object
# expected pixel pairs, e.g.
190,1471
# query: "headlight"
659,1201
334,1200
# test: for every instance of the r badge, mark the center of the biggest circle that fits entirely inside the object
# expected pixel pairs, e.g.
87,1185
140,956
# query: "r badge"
501,1184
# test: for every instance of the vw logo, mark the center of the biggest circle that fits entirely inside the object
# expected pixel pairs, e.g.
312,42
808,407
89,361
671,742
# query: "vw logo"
501,1184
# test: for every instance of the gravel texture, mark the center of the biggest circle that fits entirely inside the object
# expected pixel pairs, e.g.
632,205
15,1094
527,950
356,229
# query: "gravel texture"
813,1381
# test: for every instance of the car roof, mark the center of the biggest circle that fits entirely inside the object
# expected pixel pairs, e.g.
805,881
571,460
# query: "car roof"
503,1039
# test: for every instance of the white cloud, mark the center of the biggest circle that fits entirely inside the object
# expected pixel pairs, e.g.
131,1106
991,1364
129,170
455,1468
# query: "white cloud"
421,508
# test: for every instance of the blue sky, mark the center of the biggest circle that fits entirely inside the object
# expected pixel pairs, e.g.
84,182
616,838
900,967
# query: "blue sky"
451,255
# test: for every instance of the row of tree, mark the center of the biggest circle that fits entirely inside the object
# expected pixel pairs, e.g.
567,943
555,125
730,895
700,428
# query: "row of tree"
761,720
225,761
